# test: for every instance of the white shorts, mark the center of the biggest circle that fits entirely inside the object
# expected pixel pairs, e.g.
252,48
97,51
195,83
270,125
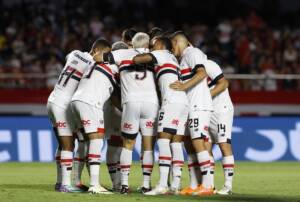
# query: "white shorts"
91,117
220,127
172,118
61,119
198,124
112,121
138,116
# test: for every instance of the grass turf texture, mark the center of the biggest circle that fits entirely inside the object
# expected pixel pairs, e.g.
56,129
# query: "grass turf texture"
267,182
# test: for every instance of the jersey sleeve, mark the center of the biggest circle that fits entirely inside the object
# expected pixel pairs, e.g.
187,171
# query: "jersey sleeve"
214,72
197,59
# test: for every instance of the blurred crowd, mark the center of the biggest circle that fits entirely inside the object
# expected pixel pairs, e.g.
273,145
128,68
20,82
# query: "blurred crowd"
35,39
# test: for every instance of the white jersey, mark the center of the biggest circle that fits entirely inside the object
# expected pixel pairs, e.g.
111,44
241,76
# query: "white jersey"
77,63
167,72
96,85
199,95
135,86
221,100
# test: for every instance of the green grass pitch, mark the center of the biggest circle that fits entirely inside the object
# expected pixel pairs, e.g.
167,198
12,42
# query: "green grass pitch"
267,182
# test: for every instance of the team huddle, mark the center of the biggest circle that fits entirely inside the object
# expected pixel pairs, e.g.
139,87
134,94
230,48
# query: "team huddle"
157,85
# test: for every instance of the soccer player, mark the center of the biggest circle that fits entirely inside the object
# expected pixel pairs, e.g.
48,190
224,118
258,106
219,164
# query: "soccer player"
221,122
60,115
112,122
127,36
93,91
140,108
172,114
194,75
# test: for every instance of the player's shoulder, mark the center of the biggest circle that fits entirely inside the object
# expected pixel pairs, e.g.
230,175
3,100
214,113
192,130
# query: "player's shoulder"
84,57
193,51
211,63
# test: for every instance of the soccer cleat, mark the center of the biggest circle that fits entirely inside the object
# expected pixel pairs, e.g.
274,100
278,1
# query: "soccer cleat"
98,190
143,189
225,191
57,186
124,189
82,187
202,191
158,190
188,191
69,189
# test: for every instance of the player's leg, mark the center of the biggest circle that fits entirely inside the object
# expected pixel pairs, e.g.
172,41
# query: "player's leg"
113,160
130,129
93,124
225,121
80,159
168,122
193,167
198,124
147,124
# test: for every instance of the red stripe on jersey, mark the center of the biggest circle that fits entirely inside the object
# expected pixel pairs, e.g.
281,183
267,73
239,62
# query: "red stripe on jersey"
164,66
78,73
187,70
93,156
125,166
204,163
147,166
178,162
100,130
228,165
66,160
126,62
104,66
165,158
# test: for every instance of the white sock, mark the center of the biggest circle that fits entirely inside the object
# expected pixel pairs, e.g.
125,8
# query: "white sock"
193,164
212,170
125,163
58,166
94,159
147,166
165,158
79,161
204,163
228,167
177,164
66,166
112,161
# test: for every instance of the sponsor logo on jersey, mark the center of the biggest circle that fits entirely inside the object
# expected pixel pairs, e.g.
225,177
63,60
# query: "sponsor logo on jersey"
82,59
175,122
74,62
127,126
149,124
61,124
85,122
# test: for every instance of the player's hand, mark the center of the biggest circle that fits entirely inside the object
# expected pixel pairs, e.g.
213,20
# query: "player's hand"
177,85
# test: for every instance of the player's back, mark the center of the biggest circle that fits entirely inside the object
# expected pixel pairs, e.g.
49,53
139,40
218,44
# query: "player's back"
76,64
199,95
215,73
97,84
135,85
167,72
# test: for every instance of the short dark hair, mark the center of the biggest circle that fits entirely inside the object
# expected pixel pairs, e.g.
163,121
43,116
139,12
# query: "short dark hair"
155,31
166,42
128,34
179,33
101,43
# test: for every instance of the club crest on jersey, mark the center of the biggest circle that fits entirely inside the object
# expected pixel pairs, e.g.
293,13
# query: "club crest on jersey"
149,124
175,122
61,124
85,122
127,126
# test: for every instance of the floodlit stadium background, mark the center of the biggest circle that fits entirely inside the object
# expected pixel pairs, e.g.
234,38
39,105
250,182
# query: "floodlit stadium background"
257,43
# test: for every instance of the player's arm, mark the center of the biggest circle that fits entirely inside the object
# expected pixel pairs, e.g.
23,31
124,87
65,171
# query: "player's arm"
143,58
221,85
197,78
